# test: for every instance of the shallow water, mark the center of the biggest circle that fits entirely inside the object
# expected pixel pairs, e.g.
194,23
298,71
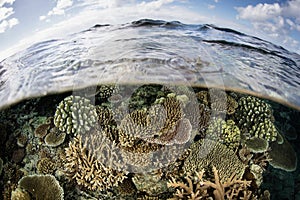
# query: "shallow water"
153,51
137,111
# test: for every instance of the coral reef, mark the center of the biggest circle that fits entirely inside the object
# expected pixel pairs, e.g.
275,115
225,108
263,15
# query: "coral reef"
225,132
283,156
199,188
22,140
42,130
75,115
105,91
206,153
84,168
255,117
44,187
126,188
46,166
55,137
19,194
257,145
158,123
150,183
218,100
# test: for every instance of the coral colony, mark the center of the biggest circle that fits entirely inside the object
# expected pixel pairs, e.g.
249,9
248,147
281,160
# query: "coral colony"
157,144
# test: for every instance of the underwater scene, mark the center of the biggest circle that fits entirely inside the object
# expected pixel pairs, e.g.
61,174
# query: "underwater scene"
173,111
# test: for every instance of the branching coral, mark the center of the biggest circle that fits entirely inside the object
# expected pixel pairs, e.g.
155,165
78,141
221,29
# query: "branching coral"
198,188
75,114
83,167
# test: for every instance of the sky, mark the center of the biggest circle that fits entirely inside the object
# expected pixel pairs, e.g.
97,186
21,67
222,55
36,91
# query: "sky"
25,22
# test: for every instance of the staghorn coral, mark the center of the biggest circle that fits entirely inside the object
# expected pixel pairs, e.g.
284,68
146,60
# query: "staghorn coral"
75,115
198,188
86,170
206,153
225,132
42,187
255,117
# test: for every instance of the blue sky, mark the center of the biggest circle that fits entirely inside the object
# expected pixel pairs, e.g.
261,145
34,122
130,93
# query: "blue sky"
25,22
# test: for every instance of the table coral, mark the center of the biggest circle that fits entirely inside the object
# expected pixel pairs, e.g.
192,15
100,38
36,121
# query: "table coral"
75,115
44,187
55,137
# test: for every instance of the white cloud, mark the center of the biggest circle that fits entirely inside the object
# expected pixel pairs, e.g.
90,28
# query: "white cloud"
211,6
5,24
5,13
274,20
259,12
59,9
2,2
216,1
42,17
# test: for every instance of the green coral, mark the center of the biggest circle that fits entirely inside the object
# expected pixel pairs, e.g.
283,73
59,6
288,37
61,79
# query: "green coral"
225,132
255,117
75,115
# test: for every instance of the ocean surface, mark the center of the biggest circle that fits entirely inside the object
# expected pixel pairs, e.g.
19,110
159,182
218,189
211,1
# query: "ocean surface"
146,109
153,51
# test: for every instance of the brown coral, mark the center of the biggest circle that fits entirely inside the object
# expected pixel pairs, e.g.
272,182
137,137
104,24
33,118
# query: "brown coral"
207,153
55,137
46,166
41,130
198,187
83,167
44,187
